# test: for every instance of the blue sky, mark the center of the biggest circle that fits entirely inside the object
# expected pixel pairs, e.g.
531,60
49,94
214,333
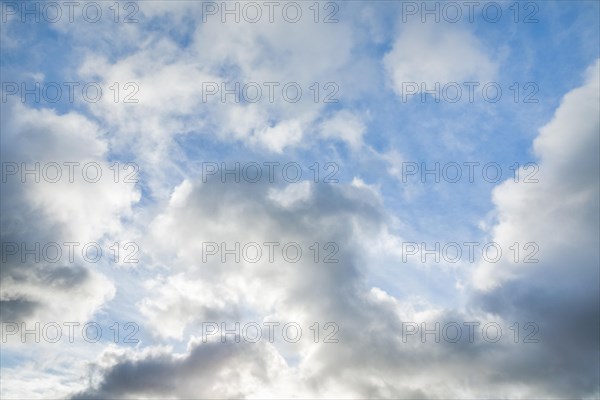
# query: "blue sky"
370,133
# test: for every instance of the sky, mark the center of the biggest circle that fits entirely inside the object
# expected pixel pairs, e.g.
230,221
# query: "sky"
311,199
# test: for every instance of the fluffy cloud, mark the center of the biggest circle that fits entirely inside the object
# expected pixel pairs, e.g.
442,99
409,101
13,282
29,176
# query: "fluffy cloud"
177,83
209,370
560,215
428,54
44,212
563,192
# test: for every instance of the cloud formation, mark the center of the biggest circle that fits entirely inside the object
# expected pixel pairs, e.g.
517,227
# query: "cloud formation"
322,255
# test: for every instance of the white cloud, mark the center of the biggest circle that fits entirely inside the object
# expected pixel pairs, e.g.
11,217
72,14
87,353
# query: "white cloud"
346,126
565,194
292,194
426,53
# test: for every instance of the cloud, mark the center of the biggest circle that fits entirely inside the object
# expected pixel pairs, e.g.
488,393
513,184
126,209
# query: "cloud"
563,192
206,370
560,215
346,126
430,54
56,212
302,213
172,78
370,356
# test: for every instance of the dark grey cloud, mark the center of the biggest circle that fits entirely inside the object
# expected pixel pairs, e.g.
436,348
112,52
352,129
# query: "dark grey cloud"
17,309
209,370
